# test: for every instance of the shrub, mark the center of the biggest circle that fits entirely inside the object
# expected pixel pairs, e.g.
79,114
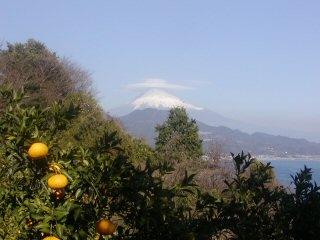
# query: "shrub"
103,182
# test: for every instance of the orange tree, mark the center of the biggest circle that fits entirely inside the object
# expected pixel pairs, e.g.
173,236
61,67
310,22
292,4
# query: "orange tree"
50,190
72,192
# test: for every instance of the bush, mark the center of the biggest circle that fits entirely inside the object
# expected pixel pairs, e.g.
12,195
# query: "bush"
103,182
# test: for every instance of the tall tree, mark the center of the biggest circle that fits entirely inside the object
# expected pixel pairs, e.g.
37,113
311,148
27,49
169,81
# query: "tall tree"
178,138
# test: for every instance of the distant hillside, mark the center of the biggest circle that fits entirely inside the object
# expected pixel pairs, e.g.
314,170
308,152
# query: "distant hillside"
141,123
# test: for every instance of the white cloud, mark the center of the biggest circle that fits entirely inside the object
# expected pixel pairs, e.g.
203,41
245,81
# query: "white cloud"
156,83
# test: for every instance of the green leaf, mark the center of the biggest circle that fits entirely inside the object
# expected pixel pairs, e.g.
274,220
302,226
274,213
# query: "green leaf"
78,193
60,214
60,229
43,227
77,213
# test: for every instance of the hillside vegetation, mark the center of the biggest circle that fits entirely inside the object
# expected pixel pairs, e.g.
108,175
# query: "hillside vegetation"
68,171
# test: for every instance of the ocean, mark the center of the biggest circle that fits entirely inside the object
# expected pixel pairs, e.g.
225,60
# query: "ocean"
285,168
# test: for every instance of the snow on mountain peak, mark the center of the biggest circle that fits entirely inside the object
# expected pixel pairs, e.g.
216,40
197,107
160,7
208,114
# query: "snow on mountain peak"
156,98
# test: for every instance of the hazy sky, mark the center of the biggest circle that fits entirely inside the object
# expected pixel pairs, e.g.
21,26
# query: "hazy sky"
257,61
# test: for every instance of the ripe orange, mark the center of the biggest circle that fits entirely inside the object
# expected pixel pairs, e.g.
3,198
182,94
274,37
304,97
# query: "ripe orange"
38,151
105,227
51,238
57,181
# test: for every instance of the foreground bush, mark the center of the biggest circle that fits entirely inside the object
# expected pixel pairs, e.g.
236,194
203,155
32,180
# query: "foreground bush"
71,191
102,183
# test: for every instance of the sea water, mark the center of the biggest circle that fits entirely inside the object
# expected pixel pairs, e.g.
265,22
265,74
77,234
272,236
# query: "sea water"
285,168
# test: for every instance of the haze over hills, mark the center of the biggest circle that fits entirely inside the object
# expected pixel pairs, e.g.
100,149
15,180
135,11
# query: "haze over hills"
141,123
142,115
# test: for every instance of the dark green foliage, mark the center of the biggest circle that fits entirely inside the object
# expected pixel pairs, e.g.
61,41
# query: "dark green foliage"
103,182
178,138
299,211
249,209
250,201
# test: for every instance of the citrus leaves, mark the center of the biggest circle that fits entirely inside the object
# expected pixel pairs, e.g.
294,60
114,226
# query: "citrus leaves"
94,183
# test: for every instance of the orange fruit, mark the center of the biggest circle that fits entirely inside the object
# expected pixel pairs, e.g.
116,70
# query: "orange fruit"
38,151
57,181
51,238
105,227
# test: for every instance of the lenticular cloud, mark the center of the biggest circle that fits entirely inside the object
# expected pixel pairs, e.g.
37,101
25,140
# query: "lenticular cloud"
156,83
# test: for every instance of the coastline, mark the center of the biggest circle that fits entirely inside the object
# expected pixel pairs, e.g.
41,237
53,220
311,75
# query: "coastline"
291,158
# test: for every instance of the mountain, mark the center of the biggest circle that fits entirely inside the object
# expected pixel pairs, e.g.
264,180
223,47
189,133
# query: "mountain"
257,143
214,119
159,99
154,98
141,123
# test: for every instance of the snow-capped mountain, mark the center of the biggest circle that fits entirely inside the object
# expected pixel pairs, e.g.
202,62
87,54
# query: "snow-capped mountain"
160,99
153,98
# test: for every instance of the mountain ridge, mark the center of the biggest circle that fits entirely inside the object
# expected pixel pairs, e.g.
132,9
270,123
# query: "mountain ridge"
141,123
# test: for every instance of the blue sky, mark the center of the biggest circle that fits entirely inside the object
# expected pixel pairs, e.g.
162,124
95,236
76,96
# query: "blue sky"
257,61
